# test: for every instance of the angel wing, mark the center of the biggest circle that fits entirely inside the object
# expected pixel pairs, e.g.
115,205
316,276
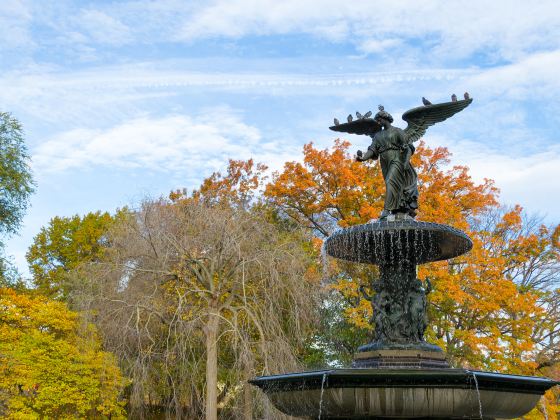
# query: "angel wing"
367,126
419,119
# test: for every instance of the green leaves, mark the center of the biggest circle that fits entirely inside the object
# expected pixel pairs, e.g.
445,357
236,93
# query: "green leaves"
63,245
16,182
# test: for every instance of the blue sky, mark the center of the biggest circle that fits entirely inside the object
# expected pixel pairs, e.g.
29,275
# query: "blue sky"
128,99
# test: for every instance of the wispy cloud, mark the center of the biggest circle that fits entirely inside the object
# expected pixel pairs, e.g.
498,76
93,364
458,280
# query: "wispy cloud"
427,31
526,178
15,25
103,28
502,28
197,145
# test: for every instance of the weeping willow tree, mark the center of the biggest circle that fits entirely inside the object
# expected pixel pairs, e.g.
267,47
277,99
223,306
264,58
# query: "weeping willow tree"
195,299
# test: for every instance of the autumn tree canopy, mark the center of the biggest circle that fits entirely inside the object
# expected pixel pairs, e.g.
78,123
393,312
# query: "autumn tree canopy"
52,366
198,293
495,308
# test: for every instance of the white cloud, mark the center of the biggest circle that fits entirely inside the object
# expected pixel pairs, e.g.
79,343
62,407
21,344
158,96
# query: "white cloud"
422,31
529,179
533,76
373,45
504,28
116,92
15,21
169,144
103,28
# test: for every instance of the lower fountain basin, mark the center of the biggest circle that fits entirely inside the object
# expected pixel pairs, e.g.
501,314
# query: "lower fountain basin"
383,242
403,393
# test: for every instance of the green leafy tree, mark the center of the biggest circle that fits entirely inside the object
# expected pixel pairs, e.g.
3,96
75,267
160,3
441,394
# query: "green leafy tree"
16,181
63,245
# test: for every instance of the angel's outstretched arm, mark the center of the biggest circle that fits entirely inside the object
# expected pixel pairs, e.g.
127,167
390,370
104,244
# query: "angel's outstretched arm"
369,154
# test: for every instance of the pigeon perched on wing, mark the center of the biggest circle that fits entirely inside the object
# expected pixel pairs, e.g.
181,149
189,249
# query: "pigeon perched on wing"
358,115
349,118
367,114
453,98
336,122
425,101
467,95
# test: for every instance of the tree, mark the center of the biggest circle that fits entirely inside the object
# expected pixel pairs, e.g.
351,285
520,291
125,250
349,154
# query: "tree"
187,280
16,182
494,308
51,366
63,245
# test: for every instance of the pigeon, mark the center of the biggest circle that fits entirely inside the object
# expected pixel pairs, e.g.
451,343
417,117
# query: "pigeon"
425,101
453,98
467,96
359,115
336,122
368,114
349,118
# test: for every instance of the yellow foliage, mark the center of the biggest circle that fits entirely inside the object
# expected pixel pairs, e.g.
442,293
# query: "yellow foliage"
49,367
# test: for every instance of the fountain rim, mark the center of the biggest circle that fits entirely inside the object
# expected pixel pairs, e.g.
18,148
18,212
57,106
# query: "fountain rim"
404,378
386,226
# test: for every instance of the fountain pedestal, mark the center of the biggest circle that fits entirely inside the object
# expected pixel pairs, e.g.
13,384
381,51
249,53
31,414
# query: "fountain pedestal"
399,299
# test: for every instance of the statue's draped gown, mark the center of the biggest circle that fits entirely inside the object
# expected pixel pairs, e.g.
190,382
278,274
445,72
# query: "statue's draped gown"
399,175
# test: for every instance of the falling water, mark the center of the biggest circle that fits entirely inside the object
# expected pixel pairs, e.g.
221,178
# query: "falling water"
392,247
478,394
399,246
417,245
324,260
378,249
545,413
321,399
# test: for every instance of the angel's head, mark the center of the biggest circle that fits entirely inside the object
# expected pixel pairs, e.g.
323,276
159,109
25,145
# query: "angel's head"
383,117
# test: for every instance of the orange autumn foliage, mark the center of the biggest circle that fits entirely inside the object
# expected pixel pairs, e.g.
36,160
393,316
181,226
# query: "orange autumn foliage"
485,309
490,309
243,179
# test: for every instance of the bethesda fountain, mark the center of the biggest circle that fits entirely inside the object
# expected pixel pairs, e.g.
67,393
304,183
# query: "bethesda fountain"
399,375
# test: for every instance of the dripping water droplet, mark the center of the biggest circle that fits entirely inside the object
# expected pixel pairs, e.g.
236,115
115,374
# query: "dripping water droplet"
321,398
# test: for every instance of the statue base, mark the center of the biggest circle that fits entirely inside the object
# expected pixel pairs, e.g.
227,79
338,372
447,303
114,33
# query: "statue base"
417,355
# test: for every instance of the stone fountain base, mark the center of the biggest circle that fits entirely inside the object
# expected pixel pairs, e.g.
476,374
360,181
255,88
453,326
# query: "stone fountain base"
403,393
395,359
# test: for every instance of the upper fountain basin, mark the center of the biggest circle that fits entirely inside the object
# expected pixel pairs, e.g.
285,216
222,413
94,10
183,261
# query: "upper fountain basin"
388,242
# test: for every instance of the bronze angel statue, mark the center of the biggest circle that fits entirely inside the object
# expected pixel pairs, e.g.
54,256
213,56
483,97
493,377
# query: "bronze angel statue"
394,148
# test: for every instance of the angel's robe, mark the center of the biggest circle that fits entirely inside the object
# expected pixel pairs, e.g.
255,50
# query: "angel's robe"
393,150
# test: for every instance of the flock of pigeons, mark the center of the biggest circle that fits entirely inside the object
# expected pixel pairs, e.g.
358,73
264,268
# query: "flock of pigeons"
368,114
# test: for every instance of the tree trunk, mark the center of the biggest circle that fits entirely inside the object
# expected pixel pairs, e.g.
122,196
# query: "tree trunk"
247,397
212,363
